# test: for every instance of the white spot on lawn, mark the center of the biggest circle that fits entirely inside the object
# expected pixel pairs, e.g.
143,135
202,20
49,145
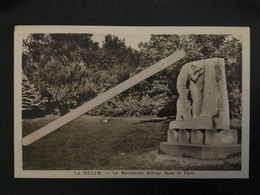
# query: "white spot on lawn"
105,120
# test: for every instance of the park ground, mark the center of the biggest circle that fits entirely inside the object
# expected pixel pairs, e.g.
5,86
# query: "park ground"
105,143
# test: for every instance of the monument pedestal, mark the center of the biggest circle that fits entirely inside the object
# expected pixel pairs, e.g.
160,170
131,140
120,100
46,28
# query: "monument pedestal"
201,143
200,150
202,125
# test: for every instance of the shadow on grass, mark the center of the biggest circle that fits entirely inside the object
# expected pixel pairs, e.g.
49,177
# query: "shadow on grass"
159,120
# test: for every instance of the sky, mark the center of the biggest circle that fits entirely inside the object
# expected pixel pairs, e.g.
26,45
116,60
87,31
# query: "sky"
130,39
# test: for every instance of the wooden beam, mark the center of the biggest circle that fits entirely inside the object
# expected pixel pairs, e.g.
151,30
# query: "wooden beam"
164,63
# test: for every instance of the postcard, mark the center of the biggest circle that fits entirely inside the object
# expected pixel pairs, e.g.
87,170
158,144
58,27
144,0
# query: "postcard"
131,102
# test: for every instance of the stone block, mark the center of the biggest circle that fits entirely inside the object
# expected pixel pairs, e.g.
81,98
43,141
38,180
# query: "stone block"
200,151
212,137
173,136
225,136
191,124
197,136
199,123
184,136
229,136
209,108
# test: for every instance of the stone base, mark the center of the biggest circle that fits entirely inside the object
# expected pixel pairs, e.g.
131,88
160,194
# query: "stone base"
200,123
202,136
200,150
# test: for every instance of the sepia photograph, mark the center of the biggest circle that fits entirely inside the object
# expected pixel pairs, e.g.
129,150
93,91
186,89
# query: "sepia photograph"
131,102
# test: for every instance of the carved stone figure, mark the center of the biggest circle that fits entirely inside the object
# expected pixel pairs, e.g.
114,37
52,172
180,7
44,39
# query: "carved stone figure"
183,104
190,80
196,88
203,100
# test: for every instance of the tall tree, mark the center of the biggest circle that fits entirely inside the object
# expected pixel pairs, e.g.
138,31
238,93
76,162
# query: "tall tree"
58,66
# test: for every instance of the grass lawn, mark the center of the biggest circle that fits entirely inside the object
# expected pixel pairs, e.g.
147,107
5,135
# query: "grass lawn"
88,143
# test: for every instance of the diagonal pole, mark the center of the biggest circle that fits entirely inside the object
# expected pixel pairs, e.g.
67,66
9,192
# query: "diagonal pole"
164,63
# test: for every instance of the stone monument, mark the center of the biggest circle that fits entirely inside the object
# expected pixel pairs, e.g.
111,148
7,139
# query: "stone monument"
202,125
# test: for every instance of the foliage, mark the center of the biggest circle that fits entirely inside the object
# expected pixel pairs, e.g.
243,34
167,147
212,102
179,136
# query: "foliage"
57,64
70,69
198,47
32,102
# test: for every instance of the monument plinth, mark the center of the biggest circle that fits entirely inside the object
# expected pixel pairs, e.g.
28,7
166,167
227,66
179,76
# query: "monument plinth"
202,125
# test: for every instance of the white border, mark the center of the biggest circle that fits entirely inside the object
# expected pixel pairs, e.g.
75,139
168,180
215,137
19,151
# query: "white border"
22,31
